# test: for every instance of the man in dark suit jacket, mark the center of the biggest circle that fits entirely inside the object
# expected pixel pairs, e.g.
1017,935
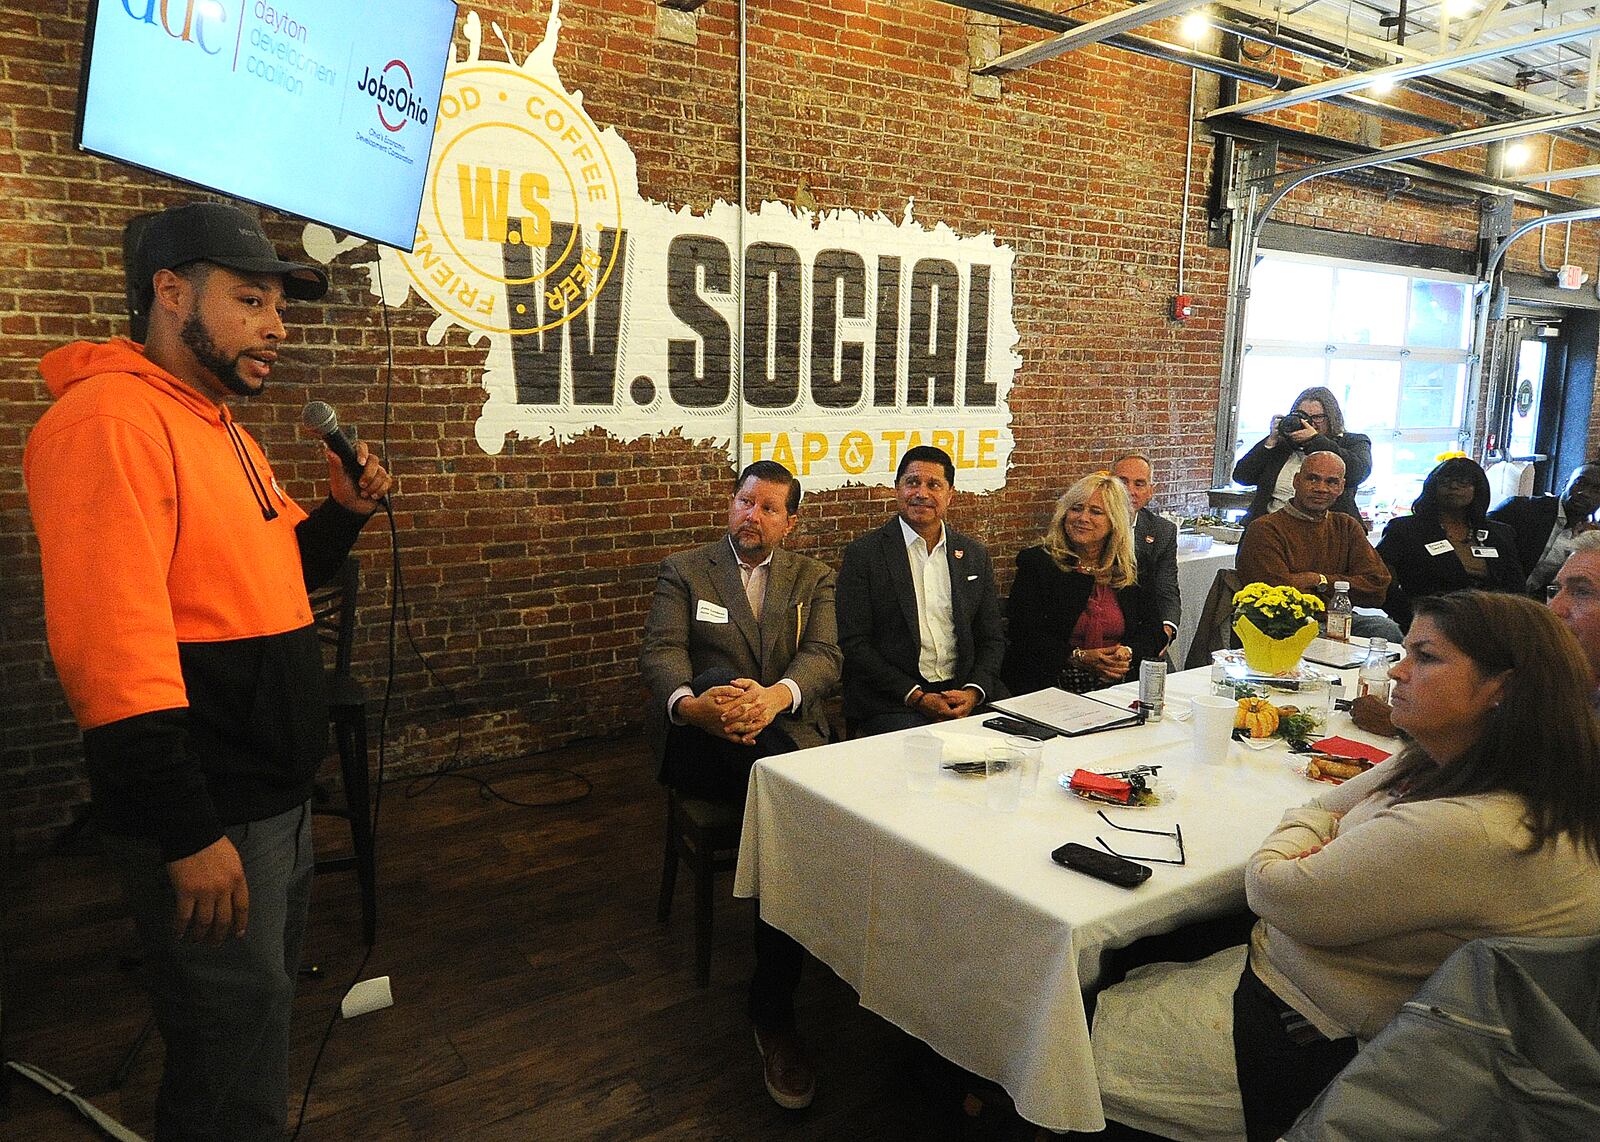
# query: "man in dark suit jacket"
1155,541
1545,526
919,616
740,653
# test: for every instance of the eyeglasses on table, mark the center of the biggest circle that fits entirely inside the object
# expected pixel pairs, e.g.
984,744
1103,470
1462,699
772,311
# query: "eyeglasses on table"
1176,834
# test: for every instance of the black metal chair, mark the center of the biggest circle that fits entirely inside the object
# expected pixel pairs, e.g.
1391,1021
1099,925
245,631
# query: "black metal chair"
1215,631
705,836
334,609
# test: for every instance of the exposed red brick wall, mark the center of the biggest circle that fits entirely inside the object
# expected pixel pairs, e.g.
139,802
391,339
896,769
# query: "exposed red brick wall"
528,573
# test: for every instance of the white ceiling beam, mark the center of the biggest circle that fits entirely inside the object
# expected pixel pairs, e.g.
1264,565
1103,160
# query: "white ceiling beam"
1554,176
1374,46
1532,12
1475,29
1091,33
1418,64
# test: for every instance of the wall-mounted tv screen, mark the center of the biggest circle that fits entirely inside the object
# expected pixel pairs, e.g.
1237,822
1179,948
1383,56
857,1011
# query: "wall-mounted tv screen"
320,108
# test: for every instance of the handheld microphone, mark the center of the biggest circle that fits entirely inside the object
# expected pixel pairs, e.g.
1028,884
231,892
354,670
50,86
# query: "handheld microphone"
320,418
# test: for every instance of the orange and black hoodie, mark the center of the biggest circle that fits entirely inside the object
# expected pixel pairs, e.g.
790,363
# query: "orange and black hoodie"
175,580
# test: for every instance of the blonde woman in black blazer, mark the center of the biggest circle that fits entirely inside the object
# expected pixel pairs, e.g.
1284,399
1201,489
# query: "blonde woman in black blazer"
1088,545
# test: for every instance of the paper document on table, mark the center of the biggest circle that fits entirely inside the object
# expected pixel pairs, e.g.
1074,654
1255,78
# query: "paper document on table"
1066,712
1340,655
1332,652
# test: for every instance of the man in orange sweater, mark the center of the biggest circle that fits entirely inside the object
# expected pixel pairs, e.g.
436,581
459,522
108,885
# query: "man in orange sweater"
175,579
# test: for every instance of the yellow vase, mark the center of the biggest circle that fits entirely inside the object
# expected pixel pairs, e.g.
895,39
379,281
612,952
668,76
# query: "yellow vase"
1272,655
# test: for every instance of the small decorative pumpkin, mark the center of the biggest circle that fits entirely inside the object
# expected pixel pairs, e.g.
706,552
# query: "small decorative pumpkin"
1257,715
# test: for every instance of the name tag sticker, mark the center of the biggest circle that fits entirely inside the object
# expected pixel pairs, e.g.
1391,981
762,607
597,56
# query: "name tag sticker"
1438,547
708,612
1486,552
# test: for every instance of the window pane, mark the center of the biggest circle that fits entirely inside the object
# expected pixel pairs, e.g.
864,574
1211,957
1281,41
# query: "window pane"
1438,314
1368,392
1430,395
1289,301
1412,410
1267,388
1399,467
1369,308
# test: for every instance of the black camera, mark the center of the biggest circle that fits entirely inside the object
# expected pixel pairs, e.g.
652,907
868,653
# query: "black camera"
1292,421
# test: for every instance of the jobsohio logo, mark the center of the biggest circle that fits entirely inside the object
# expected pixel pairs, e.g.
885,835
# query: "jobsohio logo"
392,90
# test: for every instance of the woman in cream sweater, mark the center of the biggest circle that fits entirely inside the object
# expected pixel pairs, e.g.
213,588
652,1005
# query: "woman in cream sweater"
1486,824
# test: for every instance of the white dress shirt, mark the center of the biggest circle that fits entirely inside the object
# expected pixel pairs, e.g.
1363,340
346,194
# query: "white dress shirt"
936,619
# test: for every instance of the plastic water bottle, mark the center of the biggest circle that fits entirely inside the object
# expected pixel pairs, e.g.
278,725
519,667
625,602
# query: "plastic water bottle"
1374,676
1340,612
1153,688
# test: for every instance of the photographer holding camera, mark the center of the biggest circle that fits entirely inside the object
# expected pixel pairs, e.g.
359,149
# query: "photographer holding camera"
1315,424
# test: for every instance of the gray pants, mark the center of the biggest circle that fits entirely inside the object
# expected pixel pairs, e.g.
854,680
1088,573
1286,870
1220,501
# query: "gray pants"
1375,625
223,1011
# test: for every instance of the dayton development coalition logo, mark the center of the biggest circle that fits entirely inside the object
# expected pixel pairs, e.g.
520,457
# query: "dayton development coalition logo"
394,93
195,26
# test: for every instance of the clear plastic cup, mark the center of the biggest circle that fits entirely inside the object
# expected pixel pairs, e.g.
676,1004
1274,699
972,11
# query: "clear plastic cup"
1031,759
921,755
1002,773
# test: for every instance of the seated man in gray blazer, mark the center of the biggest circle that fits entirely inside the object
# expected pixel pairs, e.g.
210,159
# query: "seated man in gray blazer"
740,653
919,616
1155,540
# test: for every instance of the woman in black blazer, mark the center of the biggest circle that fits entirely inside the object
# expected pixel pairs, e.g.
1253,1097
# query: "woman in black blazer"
1446,543
1320,428
1078,617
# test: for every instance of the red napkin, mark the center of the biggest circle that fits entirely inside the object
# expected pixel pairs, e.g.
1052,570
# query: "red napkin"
1110,788
1344,747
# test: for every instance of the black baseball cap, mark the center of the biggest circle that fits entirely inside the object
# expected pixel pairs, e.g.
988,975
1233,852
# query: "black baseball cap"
222,234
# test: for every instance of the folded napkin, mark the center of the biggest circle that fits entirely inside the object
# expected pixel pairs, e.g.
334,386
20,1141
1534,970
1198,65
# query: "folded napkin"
1345,747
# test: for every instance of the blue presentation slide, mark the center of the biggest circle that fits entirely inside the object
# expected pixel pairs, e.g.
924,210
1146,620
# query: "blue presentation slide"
320,108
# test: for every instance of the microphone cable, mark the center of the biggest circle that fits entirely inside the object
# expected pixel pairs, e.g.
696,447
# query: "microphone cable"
400,614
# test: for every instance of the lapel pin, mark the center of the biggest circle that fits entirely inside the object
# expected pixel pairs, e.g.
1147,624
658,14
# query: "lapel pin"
960,552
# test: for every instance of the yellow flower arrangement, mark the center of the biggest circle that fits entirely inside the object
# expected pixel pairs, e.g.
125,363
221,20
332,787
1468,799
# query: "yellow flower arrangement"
1277,612
1275,625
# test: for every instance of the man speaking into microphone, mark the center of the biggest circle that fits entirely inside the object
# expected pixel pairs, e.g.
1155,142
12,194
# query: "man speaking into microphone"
176,573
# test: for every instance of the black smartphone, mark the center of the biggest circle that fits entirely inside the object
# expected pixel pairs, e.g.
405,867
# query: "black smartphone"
1101,865
1016,727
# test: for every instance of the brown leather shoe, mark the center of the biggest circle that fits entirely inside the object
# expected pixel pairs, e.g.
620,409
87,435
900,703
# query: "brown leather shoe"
791,1080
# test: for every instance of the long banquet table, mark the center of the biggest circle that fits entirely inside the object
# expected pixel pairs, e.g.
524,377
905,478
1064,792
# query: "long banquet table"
950,919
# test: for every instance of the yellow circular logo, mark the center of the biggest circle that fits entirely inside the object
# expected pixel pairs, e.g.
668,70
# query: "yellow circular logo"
521,223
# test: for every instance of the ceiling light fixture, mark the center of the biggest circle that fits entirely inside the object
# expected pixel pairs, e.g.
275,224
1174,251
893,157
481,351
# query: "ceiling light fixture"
1195,26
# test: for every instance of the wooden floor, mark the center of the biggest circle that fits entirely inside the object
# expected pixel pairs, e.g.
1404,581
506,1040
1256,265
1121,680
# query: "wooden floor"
536,996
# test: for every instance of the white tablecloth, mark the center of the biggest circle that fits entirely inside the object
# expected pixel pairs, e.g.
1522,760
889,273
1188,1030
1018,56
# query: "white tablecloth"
1196,572
951,920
